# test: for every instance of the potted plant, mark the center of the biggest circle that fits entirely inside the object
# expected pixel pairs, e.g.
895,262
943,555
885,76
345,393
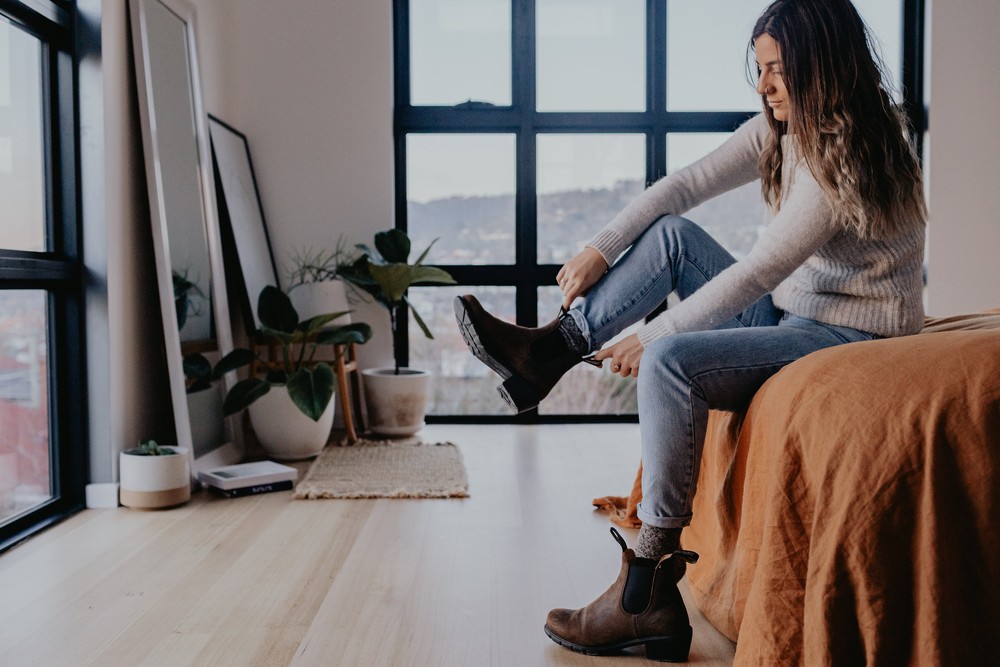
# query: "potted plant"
315,283
154,476
396,397
290,404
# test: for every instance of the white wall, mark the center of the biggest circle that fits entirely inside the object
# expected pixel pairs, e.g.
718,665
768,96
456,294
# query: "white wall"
964,157
310,85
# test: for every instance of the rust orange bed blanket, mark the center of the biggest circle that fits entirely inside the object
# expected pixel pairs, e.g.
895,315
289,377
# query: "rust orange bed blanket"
852,515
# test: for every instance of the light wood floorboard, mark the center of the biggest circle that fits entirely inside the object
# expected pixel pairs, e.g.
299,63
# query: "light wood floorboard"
268,580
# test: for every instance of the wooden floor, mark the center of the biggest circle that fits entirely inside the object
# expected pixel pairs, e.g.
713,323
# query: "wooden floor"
268,580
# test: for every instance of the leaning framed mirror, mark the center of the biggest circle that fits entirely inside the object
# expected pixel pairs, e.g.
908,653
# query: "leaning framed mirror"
182,202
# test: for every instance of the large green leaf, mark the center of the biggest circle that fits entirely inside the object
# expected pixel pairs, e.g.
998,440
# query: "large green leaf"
197,367
314,324
356,332
238,358
243,394
394,279
419,320
276,311
430,275
393,245
311,390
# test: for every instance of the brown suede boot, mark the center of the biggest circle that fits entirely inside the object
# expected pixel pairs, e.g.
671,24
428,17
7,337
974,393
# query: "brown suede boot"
522,356
642,607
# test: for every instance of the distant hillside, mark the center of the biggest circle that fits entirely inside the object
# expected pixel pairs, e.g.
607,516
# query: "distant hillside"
480,230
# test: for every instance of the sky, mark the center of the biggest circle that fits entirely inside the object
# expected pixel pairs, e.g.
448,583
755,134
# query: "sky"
590,56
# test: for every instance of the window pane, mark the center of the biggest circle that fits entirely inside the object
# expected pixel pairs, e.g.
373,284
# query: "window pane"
459,51
462,385
885,20
707,54
584,180
460,190
736,218
22,176
585,390
591,55
24,405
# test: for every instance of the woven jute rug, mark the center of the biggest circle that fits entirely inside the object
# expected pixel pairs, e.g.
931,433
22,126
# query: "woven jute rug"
400,468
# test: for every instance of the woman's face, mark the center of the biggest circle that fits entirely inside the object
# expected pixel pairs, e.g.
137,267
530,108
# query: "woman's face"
771,80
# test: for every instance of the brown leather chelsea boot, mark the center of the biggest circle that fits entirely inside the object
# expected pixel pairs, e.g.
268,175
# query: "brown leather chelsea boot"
531,360
643,606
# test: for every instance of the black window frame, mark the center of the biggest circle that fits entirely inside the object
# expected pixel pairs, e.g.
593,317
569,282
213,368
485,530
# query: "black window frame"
522,120
59,269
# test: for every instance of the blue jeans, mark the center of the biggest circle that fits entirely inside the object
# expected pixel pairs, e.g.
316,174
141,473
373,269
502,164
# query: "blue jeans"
684,375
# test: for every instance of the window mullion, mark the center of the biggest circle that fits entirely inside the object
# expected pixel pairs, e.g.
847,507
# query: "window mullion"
523,87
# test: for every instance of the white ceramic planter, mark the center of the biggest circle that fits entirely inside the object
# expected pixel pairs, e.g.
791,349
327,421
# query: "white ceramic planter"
152,482
396,403
329,296
285,433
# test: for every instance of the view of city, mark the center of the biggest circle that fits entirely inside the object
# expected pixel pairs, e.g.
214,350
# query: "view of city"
24,428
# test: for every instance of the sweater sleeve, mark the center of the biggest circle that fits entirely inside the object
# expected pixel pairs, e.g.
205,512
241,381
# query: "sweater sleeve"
731,165
803,225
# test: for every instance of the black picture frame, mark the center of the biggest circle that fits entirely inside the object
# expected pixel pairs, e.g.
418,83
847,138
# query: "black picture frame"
241,214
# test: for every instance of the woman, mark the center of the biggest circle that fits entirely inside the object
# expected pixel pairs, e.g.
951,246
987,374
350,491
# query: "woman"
840,261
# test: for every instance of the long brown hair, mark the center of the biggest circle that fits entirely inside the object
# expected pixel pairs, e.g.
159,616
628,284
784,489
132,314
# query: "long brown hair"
852,135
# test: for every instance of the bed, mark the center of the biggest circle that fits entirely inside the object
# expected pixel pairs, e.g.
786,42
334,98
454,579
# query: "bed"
851,515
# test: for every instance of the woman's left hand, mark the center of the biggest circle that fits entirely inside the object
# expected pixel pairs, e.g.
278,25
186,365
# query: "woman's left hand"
624,356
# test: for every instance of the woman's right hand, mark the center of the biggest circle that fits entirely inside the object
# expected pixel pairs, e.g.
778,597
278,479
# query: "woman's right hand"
580,273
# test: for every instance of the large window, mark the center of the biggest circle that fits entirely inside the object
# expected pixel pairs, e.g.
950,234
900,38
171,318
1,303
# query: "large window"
523,126
42,442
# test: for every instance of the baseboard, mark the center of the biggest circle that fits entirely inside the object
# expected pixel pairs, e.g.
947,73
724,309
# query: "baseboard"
102,496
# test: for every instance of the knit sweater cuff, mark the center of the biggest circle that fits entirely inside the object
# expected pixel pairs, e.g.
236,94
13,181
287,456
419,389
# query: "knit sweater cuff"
658,327
609,243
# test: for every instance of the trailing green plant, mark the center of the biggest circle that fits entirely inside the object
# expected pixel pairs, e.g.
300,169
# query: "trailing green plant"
386,273
150,448
310,385
185,292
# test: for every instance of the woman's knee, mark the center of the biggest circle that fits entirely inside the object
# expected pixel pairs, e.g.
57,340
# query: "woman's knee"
664,365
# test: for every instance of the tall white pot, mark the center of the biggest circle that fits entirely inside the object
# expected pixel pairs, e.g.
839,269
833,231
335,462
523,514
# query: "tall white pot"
152,482
284,432
329,296
396,403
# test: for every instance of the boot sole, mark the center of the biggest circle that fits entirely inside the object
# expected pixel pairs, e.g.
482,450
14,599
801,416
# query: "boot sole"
517,392
670,648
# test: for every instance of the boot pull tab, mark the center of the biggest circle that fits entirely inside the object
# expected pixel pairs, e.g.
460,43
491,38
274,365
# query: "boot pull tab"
621,540
686,556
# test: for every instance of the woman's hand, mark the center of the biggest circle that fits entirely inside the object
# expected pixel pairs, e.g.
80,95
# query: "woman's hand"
579,274
624,356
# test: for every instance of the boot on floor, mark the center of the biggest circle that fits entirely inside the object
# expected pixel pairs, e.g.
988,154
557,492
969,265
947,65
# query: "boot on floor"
531,360
643,606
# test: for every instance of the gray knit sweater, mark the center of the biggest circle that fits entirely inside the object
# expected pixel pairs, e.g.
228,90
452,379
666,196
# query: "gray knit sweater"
812,266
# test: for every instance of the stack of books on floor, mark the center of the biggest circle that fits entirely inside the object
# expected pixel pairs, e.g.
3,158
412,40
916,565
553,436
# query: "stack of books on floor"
248,479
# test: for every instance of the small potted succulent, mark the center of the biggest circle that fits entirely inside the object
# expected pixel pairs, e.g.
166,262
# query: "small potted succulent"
291,403
154,476
396,397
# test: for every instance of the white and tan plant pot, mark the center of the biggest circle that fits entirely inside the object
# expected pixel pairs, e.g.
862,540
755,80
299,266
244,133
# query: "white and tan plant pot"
396,403
329,296
285,432
154,482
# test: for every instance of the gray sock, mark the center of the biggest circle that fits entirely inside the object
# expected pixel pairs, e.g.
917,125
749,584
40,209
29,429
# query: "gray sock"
574,338
655,542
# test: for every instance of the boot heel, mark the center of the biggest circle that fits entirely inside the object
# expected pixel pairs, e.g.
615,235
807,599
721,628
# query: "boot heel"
519,394
671,649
